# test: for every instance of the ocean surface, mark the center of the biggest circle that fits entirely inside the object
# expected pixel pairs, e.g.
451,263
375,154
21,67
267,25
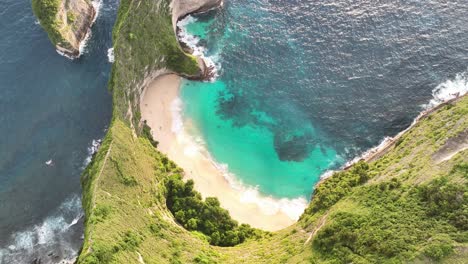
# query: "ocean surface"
51,110
304,86
301,87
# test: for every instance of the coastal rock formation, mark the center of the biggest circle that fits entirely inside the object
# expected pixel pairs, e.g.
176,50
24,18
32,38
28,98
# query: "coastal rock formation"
399,207
182,8
67,22
151,49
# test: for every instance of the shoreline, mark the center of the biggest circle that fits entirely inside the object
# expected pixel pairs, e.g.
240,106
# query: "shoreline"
380,150
387,143
157,102
82,43
157,105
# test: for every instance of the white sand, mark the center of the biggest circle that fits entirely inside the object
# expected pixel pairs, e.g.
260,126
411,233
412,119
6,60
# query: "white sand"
209,180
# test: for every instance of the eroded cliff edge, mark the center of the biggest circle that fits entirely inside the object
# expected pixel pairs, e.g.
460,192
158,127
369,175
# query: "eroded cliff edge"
401,207
67,22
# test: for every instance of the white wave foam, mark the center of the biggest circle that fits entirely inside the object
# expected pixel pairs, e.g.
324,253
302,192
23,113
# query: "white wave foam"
268,205
92,149
50,241
176,112
64,54
327,174
449,90
110,55
193,43
368,153
75,220
194,145
97,4
82,49
444,92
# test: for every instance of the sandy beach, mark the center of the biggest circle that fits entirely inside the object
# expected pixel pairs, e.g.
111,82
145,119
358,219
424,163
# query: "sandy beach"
157,108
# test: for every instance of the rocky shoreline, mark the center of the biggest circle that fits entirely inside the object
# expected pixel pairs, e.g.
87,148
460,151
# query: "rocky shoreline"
85,16
386,145
183,8
67,23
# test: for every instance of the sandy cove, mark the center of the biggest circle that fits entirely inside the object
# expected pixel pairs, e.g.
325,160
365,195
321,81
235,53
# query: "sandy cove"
155,107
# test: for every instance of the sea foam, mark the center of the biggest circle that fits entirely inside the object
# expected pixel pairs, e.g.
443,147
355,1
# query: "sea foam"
444,92
92,149
97,4
51,241
193,42
448,90
110,55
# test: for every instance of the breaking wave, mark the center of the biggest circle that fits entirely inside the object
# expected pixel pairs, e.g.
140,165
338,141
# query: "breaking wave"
268,205
56,239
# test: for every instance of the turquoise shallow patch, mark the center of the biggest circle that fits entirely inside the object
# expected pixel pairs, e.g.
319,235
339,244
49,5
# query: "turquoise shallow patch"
249,150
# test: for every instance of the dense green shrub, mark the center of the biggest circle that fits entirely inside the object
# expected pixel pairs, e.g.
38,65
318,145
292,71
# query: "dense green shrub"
101,212
146,132
100,254
330,191
439,247
396,223
46,12
461,168
207,216
71,17
447,201
131,240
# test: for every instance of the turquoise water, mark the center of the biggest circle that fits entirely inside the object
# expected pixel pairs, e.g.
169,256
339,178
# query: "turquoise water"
304,86
248,150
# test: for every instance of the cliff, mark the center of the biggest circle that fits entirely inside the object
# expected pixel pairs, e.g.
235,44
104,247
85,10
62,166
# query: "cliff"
182,8
407,205
67,22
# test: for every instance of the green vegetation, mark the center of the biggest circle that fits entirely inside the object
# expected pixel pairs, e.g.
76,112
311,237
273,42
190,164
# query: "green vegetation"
146,132
71,17
46,11
404,207
144,42
395,223
381,212
332,190
206,216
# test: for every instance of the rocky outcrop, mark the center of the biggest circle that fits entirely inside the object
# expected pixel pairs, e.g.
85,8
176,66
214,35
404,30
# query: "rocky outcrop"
67,22
182,8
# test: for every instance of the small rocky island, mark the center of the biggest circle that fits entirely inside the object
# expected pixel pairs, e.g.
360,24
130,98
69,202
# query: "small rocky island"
67,22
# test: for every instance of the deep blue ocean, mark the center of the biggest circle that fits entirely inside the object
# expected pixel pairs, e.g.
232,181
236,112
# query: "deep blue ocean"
302,87
51,108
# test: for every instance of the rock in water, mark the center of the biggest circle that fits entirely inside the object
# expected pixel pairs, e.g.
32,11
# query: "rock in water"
67,22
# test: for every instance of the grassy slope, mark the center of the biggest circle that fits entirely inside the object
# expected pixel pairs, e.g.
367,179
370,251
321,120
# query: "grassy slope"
144,41
361,215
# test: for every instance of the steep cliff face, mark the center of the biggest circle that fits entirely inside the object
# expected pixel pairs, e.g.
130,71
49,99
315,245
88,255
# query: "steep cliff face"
67,22
145,40
181,8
